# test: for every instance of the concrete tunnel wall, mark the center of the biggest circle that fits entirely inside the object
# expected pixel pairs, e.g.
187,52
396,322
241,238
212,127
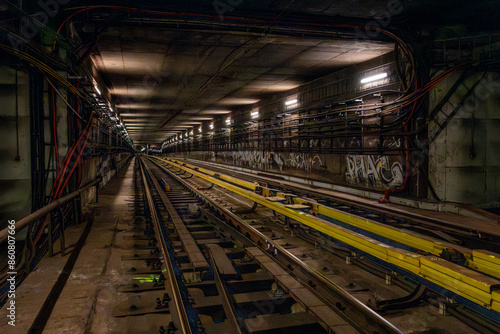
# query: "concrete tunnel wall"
15,176
464,164
15,167
463,161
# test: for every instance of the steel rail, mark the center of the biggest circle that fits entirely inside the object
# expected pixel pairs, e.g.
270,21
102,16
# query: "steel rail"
363,311
322,192
474,258
181,311
227,305
467,285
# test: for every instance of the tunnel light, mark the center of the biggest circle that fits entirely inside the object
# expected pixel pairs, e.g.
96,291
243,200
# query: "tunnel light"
254,114
211,126
199,129
291,102
374,77
95,86
228,121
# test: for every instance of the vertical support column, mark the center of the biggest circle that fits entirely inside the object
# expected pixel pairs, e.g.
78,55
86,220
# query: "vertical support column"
78,209
37,113
74,210
50,220
97,193
30,247
61,227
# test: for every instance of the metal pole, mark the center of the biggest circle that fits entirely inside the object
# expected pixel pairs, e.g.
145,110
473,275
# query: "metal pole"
61,227
78,209
31,247
50,218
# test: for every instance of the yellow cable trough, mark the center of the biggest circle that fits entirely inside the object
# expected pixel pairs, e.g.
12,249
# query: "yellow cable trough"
476,260
476,287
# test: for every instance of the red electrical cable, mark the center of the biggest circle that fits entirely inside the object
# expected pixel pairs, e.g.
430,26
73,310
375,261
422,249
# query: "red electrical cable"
86,131
68,157
76,163
388,191
59,189
64,22
66,161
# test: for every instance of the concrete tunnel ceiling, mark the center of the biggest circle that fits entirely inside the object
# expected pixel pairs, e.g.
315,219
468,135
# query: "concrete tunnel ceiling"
165,79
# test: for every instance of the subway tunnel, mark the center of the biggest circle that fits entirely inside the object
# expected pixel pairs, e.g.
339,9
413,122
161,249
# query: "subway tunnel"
235,166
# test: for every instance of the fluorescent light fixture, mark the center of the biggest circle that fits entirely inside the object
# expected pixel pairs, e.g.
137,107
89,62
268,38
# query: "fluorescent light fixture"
97,90
290,102
254,114
228,121
199,129
374,77
211,126
191,133
288,114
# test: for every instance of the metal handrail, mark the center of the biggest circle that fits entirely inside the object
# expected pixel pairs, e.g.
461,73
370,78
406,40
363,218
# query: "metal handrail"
26,221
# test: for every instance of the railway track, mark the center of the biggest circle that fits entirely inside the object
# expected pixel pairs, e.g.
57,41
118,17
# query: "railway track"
488,238
481,258
239,223
239,286
192,256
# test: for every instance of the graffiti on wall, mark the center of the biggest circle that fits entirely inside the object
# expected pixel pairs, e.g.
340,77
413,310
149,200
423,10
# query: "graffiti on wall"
316,160
373,171
254,159
304,161
269,159
298,161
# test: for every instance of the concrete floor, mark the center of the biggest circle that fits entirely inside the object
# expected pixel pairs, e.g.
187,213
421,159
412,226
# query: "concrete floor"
90,295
